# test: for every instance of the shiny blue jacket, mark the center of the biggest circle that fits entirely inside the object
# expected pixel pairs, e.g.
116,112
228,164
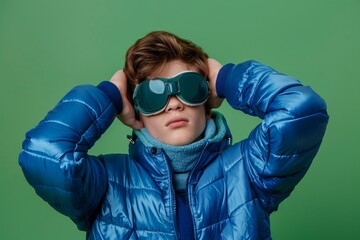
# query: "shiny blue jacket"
231,191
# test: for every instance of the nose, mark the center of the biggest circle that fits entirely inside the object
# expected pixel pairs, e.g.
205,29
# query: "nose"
174,104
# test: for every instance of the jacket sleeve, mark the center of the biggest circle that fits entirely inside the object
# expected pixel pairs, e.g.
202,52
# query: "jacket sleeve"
54,156
279,151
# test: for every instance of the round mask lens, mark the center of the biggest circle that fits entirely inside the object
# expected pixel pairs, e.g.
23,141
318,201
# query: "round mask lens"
150,97
194,88
157,86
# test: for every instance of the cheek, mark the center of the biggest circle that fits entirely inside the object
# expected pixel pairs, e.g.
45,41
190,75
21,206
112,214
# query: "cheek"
152,124
201,119
147,122
202,123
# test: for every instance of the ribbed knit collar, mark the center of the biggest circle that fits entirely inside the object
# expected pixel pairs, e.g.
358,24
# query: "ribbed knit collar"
182,159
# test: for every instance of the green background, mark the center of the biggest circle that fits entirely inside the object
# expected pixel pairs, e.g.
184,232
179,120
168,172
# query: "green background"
48,46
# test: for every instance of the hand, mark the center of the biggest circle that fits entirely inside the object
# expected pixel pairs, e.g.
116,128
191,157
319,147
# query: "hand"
214,67
127,116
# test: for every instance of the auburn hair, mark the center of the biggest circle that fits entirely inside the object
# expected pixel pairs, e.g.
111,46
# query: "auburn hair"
150,53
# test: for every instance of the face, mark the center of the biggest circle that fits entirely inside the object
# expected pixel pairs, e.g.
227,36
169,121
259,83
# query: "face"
178,124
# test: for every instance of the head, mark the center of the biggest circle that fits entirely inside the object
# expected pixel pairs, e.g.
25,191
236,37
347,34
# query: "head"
162,54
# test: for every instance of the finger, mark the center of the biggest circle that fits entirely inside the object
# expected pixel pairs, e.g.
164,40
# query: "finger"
132,122
137,125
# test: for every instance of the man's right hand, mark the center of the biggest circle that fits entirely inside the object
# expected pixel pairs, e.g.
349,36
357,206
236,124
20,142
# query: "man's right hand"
127,116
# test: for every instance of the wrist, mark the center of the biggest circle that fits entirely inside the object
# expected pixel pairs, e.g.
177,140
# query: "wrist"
113,92
221,80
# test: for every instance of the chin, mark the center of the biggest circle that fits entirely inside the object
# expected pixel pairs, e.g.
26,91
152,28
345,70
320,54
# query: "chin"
180,141
177,142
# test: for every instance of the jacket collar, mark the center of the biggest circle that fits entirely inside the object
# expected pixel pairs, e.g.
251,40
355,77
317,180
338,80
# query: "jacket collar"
154,159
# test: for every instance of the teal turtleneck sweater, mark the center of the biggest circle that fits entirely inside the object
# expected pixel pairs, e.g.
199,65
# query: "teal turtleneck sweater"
182,159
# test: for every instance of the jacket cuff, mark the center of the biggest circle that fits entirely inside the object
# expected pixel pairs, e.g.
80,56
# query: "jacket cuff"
221,80
113,93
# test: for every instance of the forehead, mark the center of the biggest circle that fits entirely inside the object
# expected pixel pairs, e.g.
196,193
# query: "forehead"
171,69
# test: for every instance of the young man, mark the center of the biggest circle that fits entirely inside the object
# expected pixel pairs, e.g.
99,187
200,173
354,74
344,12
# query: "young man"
182,177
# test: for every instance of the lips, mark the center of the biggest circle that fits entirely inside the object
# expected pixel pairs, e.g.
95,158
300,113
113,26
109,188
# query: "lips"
177,122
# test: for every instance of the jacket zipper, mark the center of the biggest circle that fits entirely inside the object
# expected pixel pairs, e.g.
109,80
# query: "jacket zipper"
191,212
176,225
189,193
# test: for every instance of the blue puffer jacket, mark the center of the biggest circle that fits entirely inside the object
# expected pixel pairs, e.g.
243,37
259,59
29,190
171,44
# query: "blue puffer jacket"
231,191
